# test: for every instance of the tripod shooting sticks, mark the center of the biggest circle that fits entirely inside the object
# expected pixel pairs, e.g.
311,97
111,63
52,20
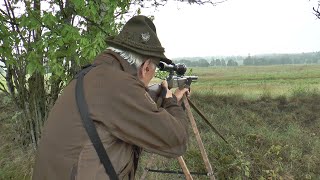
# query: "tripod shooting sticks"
204,155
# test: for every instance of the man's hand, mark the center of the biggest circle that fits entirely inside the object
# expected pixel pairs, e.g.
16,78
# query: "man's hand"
180,92
164,84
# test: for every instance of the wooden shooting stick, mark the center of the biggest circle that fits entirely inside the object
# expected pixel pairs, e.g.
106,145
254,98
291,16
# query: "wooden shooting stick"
200,144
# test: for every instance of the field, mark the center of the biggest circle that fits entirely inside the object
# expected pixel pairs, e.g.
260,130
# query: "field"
254,81
270,115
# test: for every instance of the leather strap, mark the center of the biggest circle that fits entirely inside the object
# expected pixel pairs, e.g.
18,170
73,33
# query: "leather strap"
89,125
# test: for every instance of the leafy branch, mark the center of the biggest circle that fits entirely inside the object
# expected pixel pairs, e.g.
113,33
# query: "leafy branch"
3,89
317,10
156,3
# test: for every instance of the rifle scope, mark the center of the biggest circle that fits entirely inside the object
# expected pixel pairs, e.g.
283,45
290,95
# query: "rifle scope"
180,69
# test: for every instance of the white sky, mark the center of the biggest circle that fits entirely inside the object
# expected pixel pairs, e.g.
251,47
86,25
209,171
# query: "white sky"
237,27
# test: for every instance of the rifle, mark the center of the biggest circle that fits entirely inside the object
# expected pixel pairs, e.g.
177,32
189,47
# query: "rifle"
176,79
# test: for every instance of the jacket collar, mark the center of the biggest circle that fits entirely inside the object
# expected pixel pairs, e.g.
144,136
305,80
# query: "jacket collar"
115,58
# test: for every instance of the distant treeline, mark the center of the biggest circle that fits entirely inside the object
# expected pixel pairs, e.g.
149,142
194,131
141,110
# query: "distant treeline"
257,60
205,63
279,59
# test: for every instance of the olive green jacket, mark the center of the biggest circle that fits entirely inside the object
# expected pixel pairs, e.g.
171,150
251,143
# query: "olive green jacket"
125,117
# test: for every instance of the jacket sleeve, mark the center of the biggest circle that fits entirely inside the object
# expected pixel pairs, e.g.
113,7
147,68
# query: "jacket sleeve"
130,114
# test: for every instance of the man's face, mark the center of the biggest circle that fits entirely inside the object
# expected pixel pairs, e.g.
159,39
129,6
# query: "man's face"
147,72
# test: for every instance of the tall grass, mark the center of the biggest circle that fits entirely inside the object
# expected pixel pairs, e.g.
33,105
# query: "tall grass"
252,81
16,161
270,138
269,115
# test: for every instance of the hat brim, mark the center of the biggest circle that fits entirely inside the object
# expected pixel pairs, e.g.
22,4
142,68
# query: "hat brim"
115,43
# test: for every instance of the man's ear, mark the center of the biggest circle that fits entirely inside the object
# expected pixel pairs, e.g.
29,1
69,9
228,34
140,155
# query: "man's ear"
144,68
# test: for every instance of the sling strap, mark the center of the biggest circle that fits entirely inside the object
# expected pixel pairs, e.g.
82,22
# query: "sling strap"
89,125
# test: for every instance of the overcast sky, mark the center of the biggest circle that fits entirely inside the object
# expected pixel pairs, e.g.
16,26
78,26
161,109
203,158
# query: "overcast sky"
237,27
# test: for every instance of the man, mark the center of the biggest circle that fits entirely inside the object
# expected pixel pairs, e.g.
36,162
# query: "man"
126,118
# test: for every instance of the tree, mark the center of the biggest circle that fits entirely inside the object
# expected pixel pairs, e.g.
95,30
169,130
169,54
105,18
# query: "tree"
316,10
2,72
223,62
61,39
41,49
213,62
203,63
232,63
218,62
248,61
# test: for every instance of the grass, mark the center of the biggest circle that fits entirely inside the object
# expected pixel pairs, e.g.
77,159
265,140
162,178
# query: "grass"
271,138
253,81
16,161
269,115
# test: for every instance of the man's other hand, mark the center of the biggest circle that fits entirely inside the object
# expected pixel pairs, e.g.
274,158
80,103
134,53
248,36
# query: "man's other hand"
180,92
164,84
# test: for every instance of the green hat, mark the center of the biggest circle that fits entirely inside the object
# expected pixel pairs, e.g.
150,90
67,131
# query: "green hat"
139,35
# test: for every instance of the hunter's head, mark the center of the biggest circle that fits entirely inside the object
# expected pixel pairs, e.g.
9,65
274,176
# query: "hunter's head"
138,43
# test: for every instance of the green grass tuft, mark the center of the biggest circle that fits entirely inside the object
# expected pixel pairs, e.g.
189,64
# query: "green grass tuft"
16,161
269,115
270,137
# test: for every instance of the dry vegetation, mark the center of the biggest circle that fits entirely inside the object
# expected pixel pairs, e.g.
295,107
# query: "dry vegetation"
270,115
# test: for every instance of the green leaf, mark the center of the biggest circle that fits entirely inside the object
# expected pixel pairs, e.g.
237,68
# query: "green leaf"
247,171
31,68
48,19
